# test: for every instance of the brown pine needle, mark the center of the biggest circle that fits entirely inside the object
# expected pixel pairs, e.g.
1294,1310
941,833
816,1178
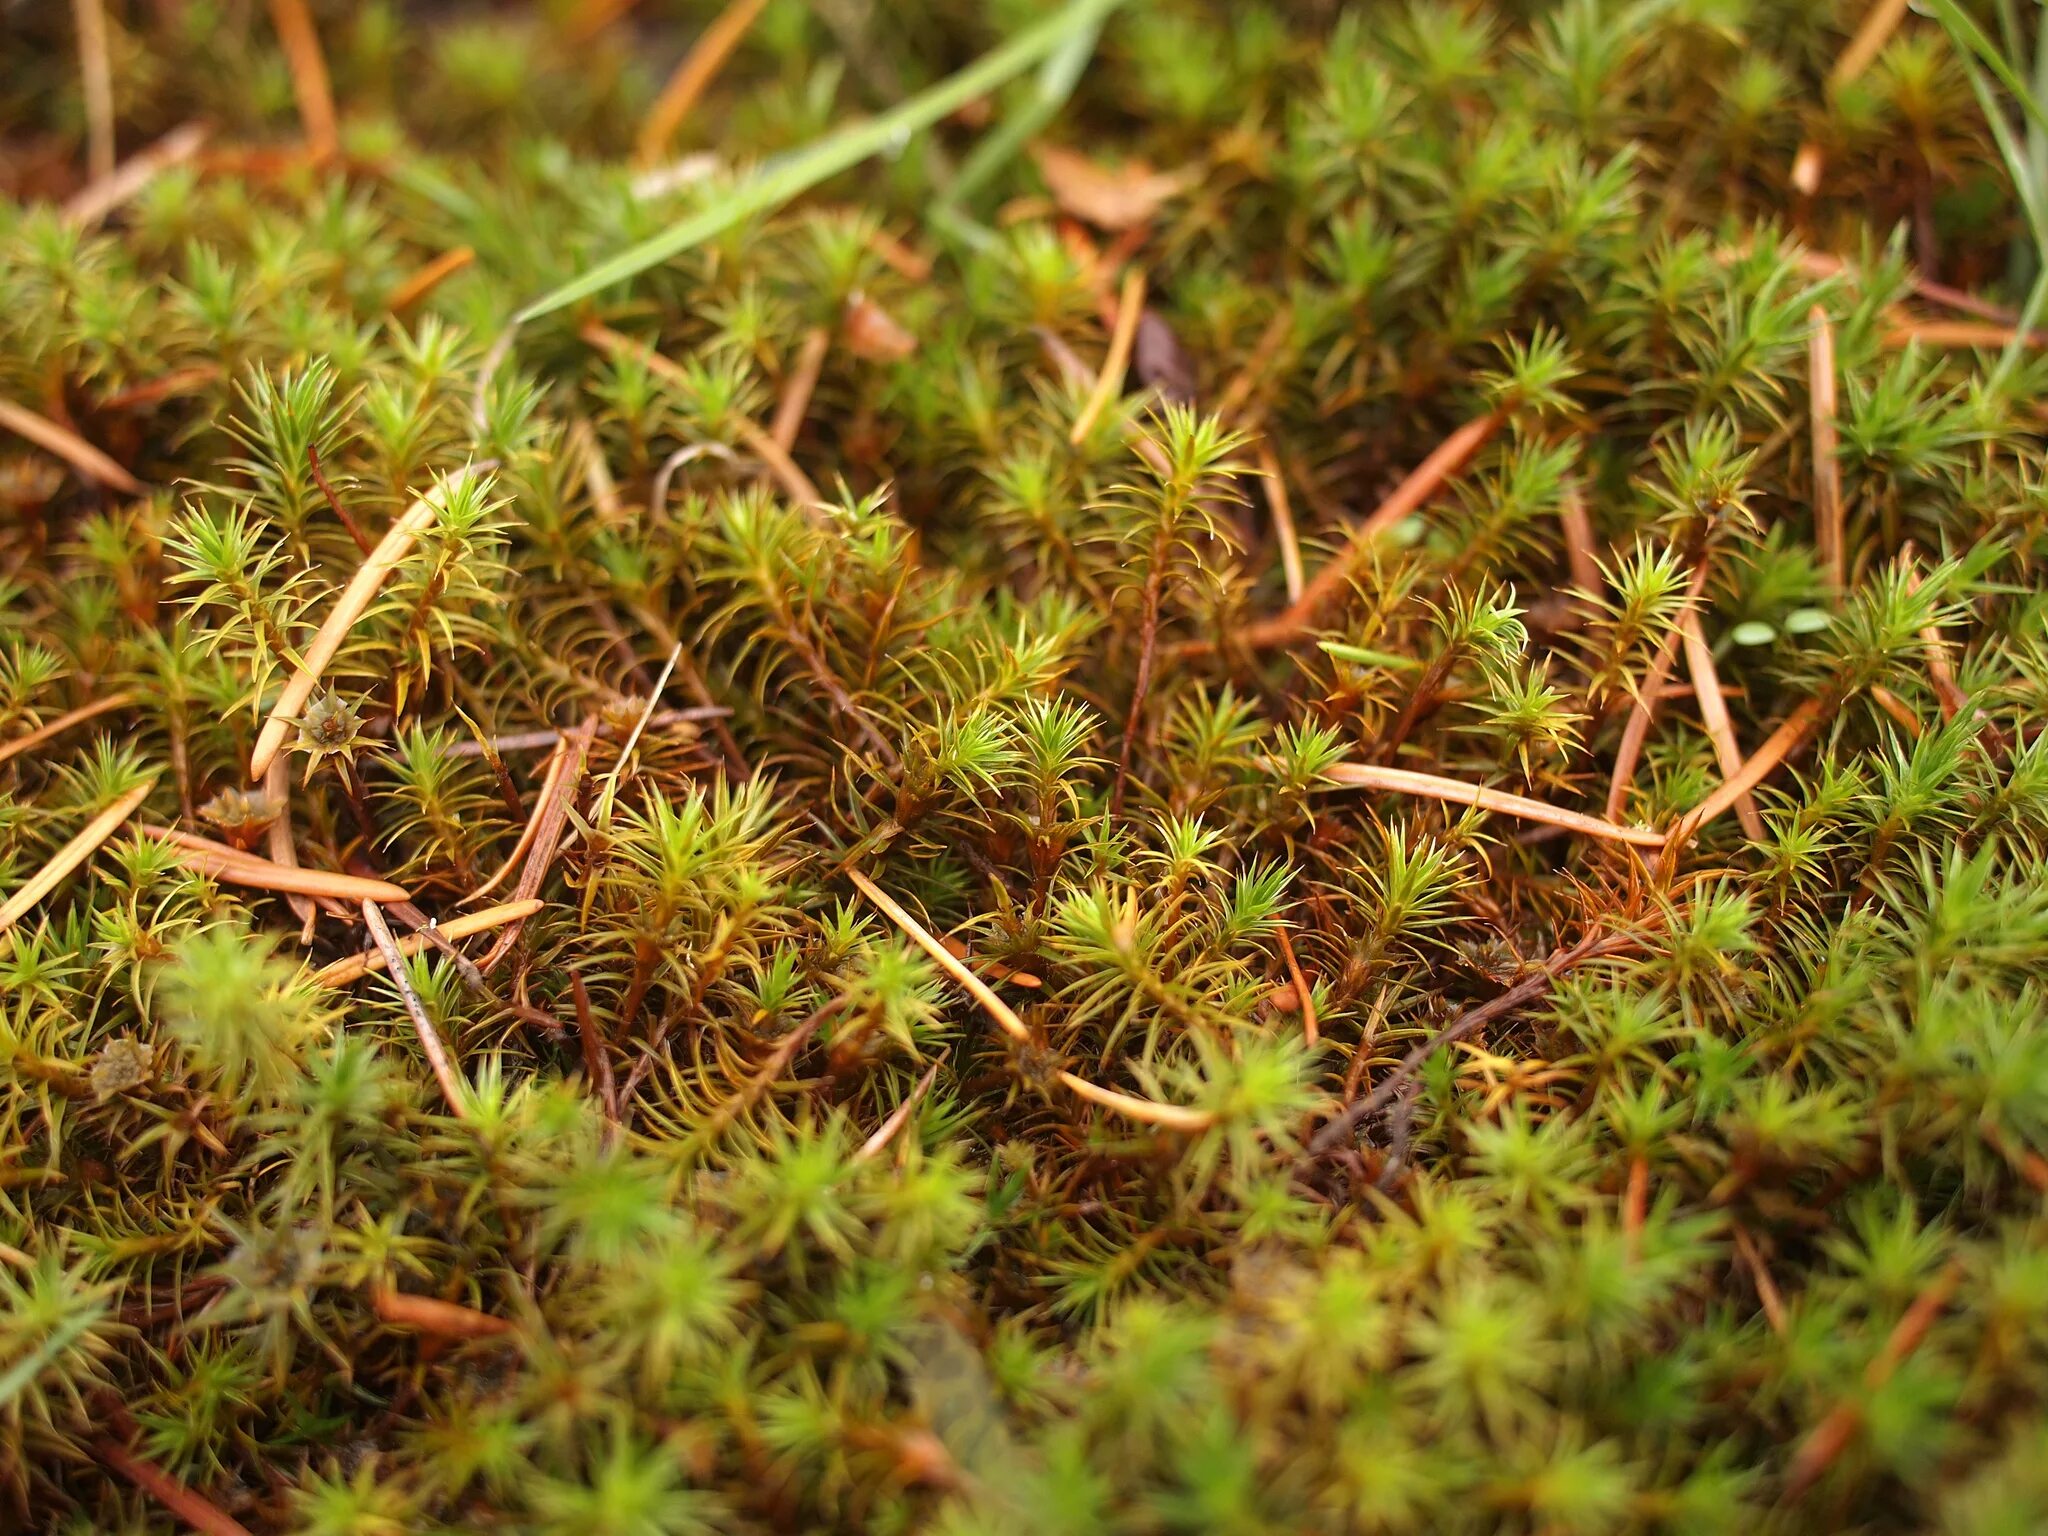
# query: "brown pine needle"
1760,1276
757,442
68,446
430,1040
427,1314
1423,482
1895,706
1173,1117
430,277
700,66
353,603
71,855
1706,683
301,43
1239,389
202,1514
231,866
558,762
1960,334
885,1133
277,784
1637,729
1302,991
1109,382
353,968
102,195
1831,1436
798,388
96,80
921,936
551,815
1283,520
1827,468
1878,26
1635,1206
1429,786
1783,742
1578,542
63,723
150,391
900,258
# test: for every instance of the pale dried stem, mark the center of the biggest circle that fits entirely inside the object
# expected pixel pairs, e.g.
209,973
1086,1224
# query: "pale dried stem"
353,603
1706,684
70,447
798,388
96,81
1283,520
233,866
71,855
63,723
430,1040
1783,742
1109,382
355,967
1403,781
700,66
315,95
1637,728
1828,533
101,196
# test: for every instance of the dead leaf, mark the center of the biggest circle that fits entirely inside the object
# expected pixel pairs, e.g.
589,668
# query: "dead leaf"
871,332
1120,198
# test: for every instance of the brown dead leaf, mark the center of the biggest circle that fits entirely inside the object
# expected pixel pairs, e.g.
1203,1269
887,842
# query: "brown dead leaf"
1121,198
871,332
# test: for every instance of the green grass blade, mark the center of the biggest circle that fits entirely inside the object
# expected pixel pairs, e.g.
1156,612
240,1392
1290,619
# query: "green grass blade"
774,185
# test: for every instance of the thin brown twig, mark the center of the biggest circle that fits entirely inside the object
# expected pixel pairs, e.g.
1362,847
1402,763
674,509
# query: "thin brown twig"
699,67
430,1315
1004,1015
1706,684
430,1039
1637,729
1283,520
551,815
1782,743
429,277
899,1117
233,866
72,854
103,194
354,967
1827,469
1404,781
63,723
1109,382
202,1514
1760,1276
310,85
1423,482
1309,1030
70,447
96,79
798,388
353,603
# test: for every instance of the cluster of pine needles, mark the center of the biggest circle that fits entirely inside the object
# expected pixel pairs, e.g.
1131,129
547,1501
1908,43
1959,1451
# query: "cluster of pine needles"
1042,767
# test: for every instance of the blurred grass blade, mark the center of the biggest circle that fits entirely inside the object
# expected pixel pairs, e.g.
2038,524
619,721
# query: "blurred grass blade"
1057,78
773,185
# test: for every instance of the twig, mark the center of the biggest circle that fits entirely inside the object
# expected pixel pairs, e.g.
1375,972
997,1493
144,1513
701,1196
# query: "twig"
530,741
232,866
63,723
1783,742
1403,781
1831,1436
202,1514
798,388
1423,482
277,786
874,1146
1879,23
1110,381
1960,334
550,816
558,762
1309,1030
427,1314
353,603
1283,520
1637,729
70,447
1827,469
72,854
1760,1275
102,195
354,967
1706,684
1173,1117
997,1009
96,79
308,66
1579,544
429,277
430,1041
699,67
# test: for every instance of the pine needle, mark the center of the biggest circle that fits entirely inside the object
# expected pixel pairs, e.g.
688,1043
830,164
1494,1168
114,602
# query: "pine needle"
430,277
355,967
201,1514
71,855
1430,786
429,1315
697,70
1827,469
70,447
101,196
1706,684
308,65
96,78
232,866
1110,381
63,723
1783,742
798,388
430,1039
